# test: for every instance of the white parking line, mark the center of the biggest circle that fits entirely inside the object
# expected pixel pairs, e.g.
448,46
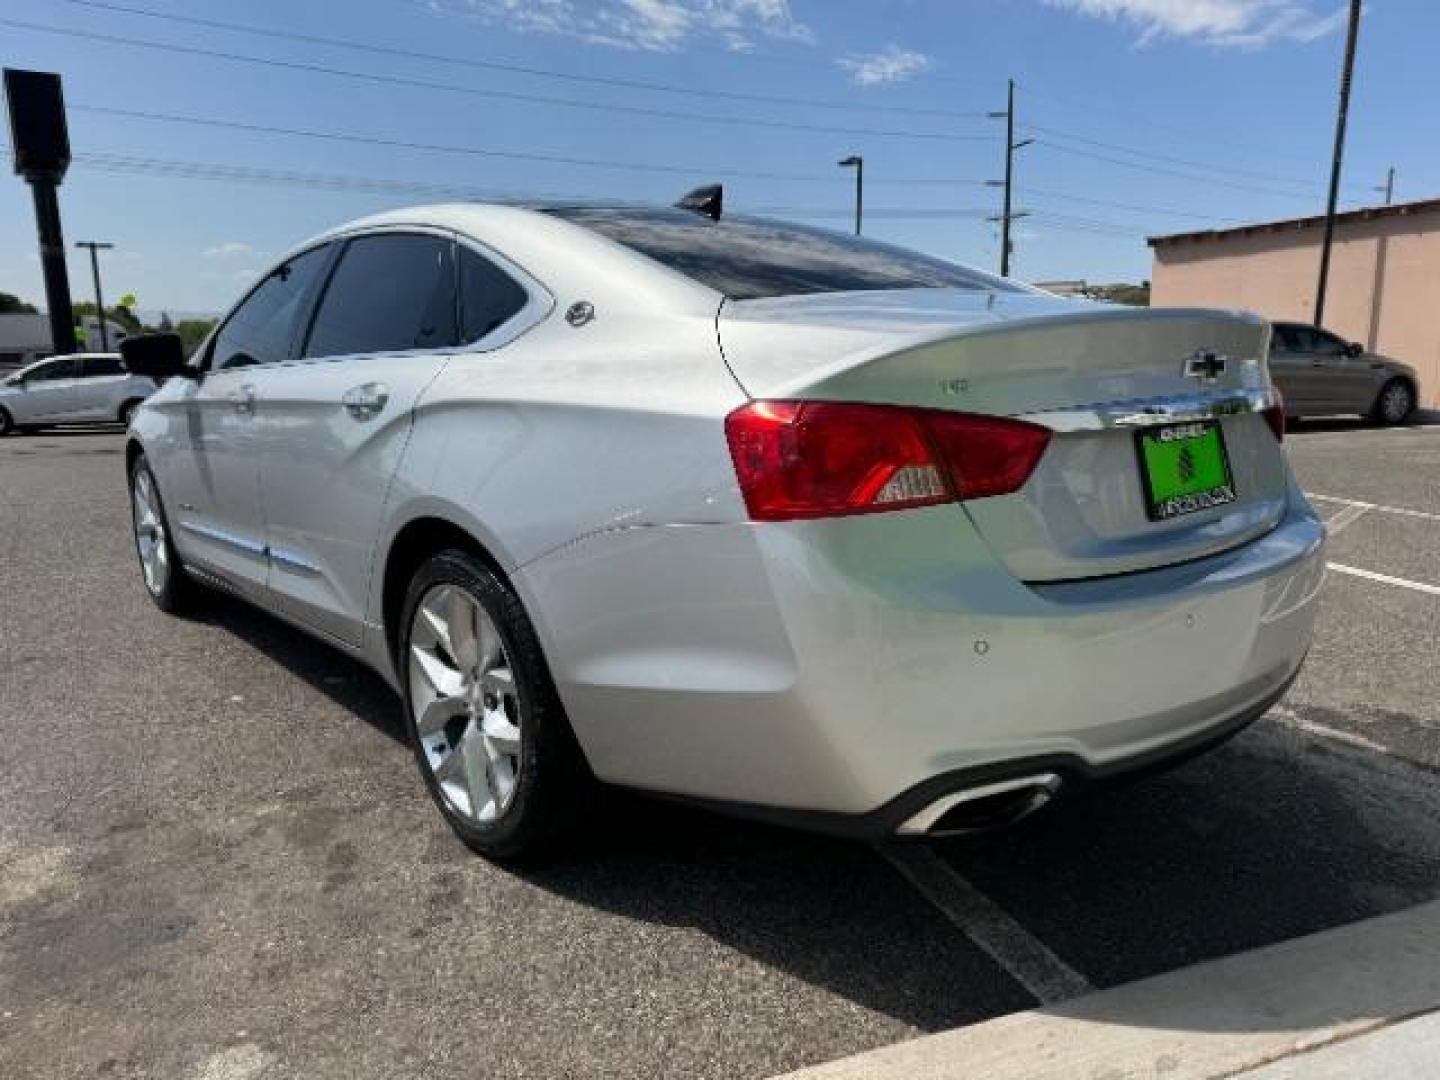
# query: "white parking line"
1384,579
1403,511
1290,718
1348,516
1025,957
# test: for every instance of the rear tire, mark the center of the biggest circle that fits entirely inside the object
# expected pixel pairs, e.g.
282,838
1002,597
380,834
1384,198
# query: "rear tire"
161,570
1394,404
490,736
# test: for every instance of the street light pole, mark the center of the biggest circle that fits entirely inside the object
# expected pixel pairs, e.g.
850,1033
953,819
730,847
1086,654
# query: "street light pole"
857,162
1346,74
97,246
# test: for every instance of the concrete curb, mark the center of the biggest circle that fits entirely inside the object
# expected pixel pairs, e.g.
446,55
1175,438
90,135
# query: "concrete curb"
1214,1019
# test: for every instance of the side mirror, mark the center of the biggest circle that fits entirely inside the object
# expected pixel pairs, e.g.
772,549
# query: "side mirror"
160,356
1354,349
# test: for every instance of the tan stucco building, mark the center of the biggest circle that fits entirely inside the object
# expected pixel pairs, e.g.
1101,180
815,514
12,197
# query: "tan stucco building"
1384,278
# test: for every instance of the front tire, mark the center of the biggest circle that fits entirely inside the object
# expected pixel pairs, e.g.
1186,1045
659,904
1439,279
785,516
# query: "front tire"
488,731
1394,404
7,425
160,567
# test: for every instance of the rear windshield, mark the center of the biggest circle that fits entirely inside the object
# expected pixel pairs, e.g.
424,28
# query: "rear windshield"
749,258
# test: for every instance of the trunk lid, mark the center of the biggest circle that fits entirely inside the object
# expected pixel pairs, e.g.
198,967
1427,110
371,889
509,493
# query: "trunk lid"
1096,375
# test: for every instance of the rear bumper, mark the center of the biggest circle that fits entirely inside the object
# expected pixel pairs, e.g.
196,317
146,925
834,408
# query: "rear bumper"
1071,774
841,673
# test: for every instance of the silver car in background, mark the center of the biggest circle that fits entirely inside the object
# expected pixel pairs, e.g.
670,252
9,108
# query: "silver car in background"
1321,374
80,388
785,522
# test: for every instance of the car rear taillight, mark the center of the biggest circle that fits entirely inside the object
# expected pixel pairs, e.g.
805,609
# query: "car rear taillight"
810,459
1275,417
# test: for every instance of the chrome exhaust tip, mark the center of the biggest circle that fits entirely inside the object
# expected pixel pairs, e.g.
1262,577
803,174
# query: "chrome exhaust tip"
982,808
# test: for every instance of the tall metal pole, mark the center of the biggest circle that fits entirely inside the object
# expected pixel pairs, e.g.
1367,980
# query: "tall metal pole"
857,162
1346,74
1389,188
52,264
95,247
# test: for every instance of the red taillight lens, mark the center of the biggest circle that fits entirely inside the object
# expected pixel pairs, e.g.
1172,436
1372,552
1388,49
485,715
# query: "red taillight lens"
808,459
986,455
1275,417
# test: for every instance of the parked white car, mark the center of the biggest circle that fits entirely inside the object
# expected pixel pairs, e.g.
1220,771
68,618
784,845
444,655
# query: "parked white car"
775,519
79,388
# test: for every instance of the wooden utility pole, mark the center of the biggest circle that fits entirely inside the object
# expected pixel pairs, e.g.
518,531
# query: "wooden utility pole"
1008,214
1346,74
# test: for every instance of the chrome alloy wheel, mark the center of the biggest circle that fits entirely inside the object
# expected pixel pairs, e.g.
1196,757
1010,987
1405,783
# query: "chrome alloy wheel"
466,705
150,532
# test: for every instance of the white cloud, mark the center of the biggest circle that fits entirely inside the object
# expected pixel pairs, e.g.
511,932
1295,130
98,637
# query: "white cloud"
890,64
1243,23
655,25
232,249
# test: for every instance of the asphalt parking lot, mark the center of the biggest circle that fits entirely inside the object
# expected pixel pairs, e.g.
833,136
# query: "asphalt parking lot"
216,860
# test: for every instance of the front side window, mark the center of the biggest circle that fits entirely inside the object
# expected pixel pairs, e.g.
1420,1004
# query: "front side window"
389,293
749,258
262,329
64,367
489,297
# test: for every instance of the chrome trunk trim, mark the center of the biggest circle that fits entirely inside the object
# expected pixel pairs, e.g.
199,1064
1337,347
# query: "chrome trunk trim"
1167,409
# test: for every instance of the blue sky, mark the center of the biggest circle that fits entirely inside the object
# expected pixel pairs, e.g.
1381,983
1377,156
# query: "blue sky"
1150,116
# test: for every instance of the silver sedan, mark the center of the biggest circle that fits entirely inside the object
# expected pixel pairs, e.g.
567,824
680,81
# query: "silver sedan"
769,518
75,389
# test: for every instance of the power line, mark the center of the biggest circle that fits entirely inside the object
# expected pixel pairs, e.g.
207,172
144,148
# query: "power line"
443,148
215,171
1139,207
1169,127
629,166
1213,181
520,69
1207,166
504,95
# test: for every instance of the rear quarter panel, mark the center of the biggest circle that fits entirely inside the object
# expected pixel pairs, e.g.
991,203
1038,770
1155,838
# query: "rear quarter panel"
572,432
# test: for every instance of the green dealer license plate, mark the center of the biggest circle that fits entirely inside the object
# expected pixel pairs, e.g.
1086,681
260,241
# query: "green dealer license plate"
1184,469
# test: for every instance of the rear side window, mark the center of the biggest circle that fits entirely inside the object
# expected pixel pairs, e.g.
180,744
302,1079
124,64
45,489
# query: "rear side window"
103,365
262,329
749,258
389,293
489,297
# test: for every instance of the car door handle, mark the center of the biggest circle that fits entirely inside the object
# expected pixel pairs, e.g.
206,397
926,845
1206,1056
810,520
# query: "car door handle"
366,400
243,400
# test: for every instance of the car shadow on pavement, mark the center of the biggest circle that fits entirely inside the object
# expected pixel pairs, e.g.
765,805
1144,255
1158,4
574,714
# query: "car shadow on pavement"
1275,835
829,913
350,684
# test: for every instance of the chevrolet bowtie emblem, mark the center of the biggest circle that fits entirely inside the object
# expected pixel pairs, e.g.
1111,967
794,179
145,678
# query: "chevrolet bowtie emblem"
1205,365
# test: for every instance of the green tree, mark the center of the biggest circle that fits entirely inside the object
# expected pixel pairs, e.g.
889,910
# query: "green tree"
11,304
1133,295
193,331
86,309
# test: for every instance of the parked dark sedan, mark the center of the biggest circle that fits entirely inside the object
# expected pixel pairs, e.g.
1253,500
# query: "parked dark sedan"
1321,374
